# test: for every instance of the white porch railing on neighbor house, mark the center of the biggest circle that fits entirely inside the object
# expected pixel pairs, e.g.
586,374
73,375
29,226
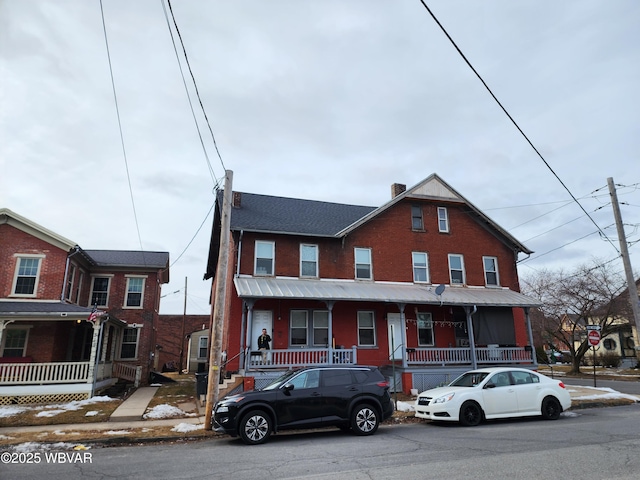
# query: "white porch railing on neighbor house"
300,357
462,356
43,373
127,371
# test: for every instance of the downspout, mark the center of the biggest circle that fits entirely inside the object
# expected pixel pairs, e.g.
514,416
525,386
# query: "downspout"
239,253
66,271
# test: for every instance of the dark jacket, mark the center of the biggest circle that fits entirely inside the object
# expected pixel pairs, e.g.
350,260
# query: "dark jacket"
263,341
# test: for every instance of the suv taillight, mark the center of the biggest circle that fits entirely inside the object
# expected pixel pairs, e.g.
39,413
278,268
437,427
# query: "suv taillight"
383,384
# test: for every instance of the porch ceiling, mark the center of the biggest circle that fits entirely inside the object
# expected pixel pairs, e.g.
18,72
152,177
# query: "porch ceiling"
351,290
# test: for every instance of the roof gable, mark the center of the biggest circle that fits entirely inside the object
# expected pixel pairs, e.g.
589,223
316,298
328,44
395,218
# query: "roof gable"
24,224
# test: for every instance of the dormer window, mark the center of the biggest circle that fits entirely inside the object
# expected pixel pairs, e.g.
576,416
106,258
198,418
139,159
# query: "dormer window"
265,258
443,220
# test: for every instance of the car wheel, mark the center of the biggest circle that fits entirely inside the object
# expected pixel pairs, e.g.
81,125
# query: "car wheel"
470,414
255,427
364,420
551,408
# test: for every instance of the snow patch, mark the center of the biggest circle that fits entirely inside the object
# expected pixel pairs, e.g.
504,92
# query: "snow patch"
187,427
164,411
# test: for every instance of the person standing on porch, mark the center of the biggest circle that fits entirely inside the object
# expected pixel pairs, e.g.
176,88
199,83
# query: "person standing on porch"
263,344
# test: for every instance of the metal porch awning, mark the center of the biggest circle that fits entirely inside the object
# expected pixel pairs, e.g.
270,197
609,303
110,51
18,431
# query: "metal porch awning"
389,292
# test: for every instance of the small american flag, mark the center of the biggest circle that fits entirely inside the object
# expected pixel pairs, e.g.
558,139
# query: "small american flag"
94,313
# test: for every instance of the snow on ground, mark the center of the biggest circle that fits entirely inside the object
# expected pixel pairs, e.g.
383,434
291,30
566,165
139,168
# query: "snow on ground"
54,409
187,427
29,447
602,394
405,407
164,411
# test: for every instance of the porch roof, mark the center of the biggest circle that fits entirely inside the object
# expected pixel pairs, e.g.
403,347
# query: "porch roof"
351,290
47,310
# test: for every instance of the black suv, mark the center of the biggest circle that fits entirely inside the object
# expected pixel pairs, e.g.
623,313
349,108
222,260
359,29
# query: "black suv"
355,398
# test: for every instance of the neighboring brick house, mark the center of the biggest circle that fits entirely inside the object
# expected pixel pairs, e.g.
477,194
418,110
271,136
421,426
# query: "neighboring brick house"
53,346
425,286
171,328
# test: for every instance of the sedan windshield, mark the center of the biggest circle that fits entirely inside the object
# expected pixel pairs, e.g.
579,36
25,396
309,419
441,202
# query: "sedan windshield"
469,379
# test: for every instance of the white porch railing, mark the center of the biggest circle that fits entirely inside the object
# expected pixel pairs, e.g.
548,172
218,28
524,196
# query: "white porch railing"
43,373
300,357
128,371
461,356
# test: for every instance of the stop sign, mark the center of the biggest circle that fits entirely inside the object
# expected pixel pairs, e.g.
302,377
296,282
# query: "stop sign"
594,337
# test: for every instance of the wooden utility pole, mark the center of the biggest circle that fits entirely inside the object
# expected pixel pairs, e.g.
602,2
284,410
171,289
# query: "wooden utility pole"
219,305
631,282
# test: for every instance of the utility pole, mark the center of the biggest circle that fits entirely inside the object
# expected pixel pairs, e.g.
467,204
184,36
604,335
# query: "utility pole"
631,282
184,318
219,304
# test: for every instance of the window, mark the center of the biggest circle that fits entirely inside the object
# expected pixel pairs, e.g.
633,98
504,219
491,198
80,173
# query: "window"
15,342
100,291
363,263
337,378
129,343
203,343
416,218
366,329
456,269
135,290
298,334
71,276
309,260
490,270
425,329
309,379
265,255
420,267
27,273
79,286
443,220
609,344
321,327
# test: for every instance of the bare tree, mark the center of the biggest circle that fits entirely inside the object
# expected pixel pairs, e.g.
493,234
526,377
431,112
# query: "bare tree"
590,295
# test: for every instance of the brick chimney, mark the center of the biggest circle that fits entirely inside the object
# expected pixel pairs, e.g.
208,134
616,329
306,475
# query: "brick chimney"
237,199
397,189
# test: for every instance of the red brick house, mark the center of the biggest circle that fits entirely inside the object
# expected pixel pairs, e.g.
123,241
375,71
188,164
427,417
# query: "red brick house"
424,286
53,347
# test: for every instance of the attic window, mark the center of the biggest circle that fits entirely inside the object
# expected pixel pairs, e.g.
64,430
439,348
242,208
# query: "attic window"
443,220
416,218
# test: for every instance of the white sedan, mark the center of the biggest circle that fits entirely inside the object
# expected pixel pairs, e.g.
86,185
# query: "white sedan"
490,393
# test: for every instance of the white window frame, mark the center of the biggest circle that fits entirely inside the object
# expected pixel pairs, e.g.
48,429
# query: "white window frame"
79,286
137,342
425,318
370,315
369,263
127,292
420,267
27,328
461,269
443,220
71,277
495,271
318,316
203,339
306,327
309,247
256,258
25,256
93,279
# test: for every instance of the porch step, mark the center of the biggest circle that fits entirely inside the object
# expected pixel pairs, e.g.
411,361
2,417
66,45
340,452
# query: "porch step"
134,407
227,385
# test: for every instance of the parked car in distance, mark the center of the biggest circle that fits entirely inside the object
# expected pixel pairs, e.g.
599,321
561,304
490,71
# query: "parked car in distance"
490,393
351,398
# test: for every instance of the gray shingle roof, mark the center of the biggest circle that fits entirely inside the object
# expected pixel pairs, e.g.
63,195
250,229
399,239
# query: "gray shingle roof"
265,213
43,307
124,258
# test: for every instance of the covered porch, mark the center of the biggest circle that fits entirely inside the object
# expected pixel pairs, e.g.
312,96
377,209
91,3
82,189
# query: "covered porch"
60,353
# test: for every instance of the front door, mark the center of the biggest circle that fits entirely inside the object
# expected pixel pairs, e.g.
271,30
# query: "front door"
261,319
396,337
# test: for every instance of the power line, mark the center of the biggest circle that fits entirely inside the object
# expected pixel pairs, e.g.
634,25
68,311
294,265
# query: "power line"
124,150
515,124
195,84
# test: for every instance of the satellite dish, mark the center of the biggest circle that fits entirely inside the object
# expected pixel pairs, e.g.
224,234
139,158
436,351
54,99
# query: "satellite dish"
439,289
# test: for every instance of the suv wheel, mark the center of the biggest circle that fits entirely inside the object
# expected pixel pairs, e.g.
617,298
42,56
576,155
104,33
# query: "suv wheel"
364,420
255,427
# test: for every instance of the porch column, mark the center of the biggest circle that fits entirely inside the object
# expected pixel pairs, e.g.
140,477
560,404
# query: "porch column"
330,305
472,340
529,332
243,323
3,324
97,323
247,339
105,342
403,324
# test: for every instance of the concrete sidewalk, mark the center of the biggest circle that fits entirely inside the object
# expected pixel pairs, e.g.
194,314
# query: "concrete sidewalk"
133,408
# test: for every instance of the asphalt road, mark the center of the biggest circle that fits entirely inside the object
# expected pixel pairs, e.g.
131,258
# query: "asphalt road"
599,443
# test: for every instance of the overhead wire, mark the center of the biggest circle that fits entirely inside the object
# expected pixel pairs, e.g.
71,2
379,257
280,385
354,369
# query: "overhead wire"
122,143
515,123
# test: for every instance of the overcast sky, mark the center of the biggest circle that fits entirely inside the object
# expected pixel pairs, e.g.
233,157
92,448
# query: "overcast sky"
323,100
